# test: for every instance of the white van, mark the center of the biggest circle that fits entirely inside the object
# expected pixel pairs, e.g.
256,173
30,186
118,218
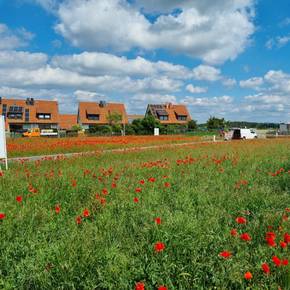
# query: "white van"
238,133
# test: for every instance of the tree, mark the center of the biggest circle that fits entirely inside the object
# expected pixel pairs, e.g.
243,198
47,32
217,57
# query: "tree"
149,123
215,123
192,125
114,119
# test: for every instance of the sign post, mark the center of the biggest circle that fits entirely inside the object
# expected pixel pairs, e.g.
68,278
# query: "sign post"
3,149
156,131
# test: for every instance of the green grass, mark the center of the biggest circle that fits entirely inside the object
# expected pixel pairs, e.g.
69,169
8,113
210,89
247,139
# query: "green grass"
114,247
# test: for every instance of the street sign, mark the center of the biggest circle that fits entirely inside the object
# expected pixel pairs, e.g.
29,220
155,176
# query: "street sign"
3,149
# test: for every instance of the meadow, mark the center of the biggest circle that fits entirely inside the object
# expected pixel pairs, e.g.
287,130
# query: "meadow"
203,216
21,147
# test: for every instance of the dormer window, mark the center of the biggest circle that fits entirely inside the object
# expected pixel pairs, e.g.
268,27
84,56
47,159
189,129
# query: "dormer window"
181,118
43,116
94,117
162,115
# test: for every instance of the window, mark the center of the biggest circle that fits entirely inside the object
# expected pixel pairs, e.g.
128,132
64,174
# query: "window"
14,115
163,118
4,110
181,118
94,117
44,116
26,115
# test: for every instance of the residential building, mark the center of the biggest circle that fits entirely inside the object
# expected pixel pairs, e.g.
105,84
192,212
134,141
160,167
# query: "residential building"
91,113
169,113
131,118
66,122
284,128
22,115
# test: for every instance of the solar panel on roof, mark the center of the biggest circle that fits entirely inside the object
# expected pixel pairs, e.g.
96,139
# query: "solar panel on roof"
161,112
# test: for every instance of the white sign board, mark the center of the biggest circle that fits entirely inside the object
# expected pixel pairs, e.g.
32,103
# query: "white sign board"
156,131
3,150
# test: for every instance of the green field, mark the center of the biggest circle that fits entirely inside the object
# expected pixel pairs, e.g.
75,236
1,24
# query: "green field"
90,222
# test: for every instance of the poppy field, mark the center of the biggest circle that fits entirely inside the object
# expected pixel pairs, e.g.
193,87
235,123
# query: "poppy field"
23,147
202,216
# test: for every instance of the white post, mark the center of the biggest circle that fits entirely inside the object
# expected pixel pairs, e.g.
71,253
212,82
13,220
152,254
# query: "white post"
213,138
3,149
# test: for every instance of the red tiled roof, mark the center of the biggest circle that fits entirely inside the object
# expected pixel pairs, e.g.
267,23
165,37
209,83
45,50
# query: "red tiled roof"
103,112
66,122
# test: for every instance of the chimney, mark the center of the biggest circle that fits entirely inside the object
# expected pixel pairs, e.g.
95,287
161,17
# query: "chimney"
103,104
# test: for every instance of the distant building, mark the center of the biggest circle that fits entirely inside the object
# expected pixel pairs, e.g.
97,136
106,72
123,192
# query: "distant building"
66,122
21,115
91,113
131,118
169,113
284,128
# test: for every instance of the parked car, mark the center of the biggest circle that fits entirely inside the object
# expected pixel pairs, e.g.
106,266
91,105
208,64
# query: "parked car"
238,133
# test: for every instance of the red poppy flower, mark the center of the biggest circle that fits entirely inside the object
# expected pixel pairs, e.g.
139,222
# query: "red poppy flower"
2,216
79,220
142,181
276,261
283,244
103,201
113,185
241,220
159,246
271,235
74,183
167,184
285,262
158,220
245,237
234,232
86,213
104,191
266,268
248,276
287,238
57,209
140,286
271,242
138,189
19,198
225,254
136,199
162,288
151,179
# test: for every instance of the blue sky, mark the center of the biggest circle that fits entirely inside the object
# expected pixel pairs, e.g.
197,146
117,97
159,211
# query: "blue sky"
224,58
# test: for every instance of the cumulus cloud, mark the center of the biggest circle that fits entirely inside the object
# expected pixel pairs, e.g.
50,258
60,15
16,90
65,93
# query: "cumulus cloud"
252,83
11,39
95,63
195,89
208,102
87,96
120,26
206,73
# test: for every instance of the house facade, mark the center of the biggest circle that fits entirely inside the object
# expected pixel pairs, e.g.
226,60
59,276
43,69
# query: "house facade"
92,113
22,115
169,114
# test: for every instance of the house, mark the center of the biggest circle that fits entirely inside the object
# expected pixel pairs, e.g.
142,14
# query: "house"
284,128
91,113
169,113
22,115
66,122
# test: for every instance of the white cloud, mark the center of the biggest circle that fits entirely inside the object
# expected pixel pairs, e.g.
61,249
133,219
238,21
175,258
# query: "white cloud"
195,90
13,39
278,41
206,73
208,102
228,82
87,96
279,81
252,83
213,32
95,63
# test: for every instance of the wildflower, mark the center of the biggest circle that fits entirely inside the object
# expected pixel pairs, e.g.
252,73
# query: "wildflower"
167,184
19,198
138,189
283,244
285,262
1,173
79,220
287,238
140,286
86,213
276,261
266,268
159,246
158,220
104,191
162,288
234,232
248,276
2,216
151,179
74,183
245,237
113,185
271,242
225,254
57,209
271,235
136,199
142,181
103,201
241,220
